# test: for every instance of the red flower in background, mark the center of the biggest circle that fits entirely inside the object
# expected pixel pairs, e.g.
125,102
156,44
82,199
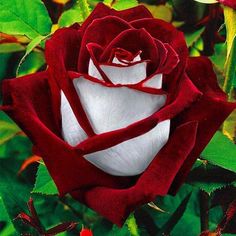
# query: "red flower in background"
230,3
86,232
121,113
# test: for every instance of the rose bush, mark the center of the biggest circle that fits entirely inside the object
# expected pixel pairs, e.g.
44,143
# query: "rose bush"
121,113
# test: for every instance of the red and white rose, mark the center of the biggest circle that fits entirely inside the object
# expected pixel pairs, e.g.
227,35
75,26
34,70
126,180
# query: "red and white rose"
121,113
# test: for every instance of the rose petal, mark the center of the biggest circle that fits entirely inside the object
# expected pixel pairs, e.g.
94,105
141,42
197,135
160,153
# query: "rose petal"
186,94
171,61
115,26
116,204
125,62
130,14
33,113
144,43
60,59
167,33
93,71
131,74
71,129
110,108
154,82
132,157
210,111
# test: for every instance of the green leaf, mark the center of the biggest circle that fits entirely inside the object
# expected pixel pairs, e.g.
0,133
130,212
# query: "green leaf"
210,178
9,229
170,224
30,47
13,190
7,131
11,47
121,4
221,152
132,225
230,19
229,126
219,57
71,16
230,68
3,68
24,17
33,62
44,183
163,12
124,231
192,37
84,7
189,218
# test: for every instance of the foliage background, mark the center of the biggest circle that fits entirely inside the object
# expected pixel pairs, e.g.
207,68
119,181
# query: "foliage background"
201,202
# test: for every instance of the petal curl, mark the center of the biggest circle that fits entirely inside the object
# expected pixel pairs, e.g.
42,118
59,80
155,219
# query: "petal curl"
133,156
144,43
95,34
167,33
110,108
30,105
60,59
101,10
210,111
116,204
72,132
130,74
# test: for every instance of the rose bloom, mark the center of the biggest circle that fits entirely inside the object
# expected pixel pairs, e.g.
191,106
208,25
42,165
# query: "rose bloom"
121,113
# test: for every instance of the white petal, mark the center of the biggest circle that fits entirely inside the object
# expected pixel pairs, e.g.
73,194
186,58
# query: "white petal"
93,71
117,61
154,82
132,157
71,129
125,74
110,108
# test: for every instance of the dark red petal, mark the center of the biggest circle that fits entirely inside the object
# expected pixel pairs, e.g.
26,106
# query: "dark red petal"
185,96
62,50
35,92
62,55
101,31
230,3
29,98
116,204
167,33
74,75
210,111
143,42
200,71
130,14
170,62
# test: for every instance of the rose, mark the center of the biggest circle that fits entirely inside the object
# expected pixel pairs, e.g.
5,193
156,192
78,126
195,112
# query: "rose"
121,113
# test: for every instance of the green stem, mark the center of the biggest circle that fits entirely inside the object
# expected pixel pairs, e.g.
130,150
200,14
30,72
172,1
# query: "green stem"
204,210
